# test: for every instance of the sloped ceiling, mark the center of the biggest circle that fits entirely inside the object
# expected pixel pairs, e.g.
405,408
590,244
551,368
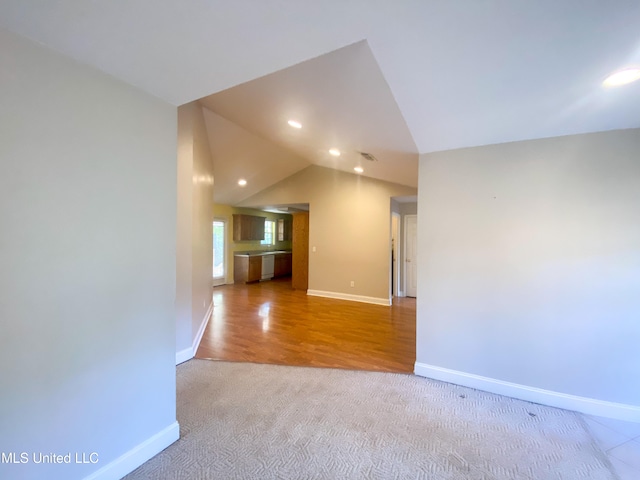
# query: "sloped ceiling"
237,154
343,102
462,72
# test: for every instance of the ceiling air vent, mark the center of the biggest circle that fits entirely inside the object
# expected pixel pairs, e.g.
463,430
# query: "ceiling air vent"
368,156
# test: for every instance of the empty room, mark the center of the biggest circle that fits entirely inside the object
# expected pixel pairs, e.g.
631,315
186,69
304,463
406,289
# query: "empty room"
296,239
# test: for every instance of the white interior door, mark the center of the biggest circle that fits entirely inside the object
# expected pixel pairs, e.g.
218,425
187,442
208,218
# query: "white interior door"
395,254
410,254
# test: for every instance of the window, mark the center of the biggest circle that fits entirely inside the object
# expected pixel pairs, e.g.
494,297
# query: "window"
280,230
269,233
218,250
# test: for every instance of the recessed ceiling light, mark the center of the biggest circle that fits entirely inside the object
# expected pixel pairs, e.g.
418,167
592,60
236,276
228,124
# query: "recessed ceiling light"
242,182
359,169
622,77
335,152
294,124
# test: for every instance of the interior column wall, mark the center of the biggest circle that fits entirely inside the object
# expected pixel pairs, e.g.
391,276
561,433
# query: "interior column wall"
194,260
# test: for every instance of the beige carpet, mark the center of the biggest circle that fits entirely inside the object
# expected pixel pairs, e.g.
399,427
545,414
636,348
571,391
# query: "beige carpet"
248,421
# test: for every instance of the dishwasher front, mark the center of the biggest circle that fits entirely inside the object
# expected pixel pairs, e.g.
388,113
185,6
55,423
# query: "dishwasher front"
267,266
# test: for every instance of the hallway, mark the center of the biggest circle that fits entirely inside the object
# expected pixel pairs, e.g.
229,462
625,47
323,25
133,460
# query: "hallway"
268,322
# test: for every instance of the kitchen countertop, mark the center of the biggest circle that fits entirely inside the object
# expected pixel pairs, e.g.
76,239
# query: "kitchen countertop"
258,253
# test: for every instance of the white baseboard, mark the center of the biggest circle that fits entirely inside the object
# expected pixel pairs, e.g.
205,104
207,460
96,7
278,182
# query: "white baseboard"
129,461
590,406
353,298
184,355
203,326
189,352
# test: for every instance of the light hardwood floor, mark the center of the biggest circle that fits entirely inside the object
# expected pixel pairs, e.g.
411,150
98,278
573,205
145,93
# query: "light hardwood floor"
269,322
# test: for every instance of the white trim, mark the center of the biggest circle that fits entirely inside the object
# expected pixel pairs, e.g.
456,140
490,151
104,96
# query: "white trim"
353,298
184,355
401,293
189,352
129,461
590,406
404,247
395,268
203,325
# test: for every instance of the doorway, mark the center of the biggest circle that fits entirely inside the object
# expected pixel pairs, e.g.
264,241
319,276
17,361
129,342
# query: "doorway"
395,254
219,252
410,254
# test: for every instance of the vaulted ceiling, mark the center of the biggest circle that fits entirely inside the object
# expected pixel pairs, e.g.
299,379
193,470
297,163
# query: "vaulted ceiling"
342,101
397,77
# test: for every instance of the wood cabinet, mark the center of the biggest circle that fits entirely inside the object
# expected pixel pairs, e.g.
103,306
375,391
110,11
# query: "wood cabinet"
282,265
285,229
300,267
247,269
248,227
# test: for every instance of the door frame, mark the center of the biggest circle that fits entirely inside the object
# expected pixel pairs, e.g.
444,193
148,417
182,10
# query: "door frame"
395,266
217,281
404,263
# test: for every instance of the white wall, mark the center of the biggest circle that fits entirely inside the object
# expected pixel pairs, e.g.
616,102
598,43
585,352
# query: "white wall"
184,222
87,263
194,260
529,264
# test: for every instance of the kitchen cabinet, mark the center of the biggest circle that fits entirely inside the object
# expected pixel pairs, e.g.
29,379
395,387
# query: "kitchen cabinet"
247,269
300,266
282,265
248,227
255,266
285,229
